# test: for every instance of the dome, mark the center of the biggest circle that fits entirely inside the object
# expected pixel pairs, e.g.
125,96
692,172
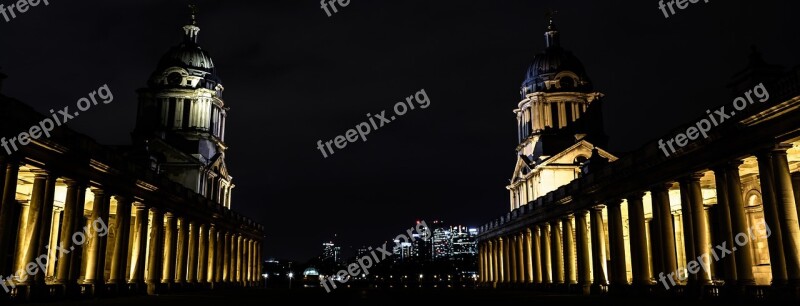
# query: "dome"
555,64
187,55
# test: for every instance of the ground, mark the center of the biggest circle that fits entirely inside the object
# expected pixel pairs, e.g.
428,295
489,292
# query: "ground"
344,296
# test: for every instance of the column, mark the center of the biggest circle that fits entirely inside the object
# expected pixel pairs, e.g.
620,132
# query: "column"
569,251
512,259
238,268
212,254
234,254
545,245
191,264
219,259
139,244
45,226
796,187
226,262
73,210
598,246
27,240
501,261
155,257
584,259
787,210
688,227
536,255
521,268
735,203
639,260
701,234
669,261
95,257
7,204
170,240
507,263
555,250
493,260
182,253
724,219
616,240
527,247
202,257
122,225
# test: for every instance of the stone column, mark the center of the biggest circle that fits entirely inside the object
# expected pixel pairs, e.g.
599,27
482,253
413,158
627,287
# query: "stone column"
191,268
555,250
507,263
226,262
527,248
521,267
598,246
139,245
170,241
182,253
202,257
28,239
639,260
688,227
796,188
219,260
545,245
724,219
96,255
212,254
536,255
669,261
701,234
493,260
735,203
7,205
569,251
155,257
238,252
772,218
234,256
73,210
512,259
122,225
787,210
501,260
616,241
45,226
584,259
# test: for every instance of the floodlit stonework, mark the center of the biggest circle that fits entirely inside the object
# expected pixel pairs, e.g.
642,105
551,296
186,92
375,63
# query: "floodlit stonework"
166,199
583,220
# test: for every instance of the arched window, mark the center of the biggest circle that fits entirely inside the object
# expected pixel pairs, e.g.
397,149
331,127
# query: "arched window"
754,209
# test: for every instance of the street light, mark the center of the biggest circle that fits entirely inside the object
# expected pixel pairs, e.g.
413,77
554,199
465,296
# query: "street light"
291,275
265,276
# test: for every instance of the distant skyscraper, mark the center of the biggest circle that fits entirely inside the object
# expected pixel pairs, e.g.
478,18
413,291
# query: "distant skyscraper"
441,244
331,252
462,241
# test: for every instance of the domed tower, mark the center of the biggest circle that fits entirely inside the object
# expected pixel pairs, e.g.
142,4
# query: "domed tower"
559,122
181,119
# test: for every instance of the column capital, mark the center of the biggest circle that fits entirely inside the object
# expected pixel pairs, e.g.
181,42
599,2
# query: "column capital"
97,191
169,215
41,173
634,195
567,218
695,177
614,202
664,187
597,207
139,205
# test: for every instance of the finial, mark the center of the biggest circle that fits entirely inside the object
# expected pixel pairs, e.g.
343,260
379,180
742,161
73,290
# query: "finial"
193,10
551,16
551,35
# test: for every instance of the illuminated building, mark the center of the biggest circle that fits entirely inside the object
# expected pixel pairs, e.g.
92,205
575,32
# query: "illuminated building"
165,200
596,223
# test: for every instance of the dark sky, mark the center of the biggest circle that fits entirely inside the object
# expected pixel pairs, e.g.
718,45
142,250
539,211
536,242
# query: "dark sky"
294,76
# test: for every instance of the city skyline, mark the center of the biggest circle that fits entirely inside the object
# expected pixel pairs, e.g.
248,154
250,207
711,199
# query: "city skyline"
377,185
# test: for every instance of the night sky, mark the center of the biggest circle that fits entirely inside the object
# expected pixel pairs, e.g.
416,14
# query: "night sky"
294,76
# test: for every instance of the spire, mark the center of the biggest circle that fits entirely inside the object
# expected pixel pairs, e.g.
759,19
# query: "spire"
551,35
191,30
